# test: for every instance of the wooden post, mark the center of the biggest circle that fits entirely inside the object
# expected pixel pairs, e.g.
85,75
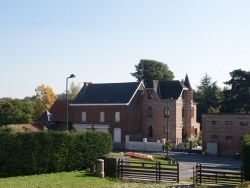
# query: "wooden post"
200,173
178,173
121,169
159,163
216,177
156,171
193,176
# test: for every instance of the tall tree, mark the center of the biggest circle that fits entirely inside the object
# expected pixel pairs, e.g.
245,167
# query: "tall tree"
149,70
15,111
72,92
208,96
43,99
237,99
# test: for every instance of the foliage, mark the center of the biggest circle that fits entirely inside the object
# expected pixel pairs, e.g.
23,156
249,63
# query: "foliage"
15,111
46,152
245,150
73,91
208,96
237,99
170,145
43,99
150,70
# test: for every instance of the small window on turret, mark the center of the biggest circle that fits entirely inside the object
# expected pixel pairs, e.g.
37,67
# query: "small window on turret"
150,94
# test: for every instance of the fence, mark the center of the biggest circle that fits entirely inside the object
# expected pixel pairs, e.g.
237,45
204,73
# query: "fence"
217,175
149,171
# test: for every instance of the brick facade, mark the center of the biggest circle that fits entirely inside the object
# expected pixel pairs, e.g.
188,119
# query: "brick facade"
226,130
182,117
131,101
130,116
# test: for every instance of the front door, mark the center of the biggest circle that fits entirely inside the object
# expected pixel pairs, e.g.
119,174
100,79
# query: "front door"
117,134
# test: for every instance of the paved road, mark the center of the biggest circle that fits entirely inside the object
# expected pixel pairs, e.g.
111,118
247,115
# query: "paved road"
188,161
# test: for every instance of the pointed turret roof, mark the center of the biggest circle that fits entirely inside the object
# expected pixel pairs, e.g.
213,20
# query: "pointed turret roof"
47,116
187,83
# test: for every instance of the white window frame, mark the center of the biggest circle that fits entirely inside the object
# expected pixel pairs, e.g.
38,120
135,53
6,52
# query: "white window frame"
117,117
102,117
83,117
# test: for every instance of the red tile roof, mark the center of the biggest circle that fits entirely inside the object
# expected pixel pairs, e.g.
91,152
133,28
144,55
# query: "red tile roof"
24,127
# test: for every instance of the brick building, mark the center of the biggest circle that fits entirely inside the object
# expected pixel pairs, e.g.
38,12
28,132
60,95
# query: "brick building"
169,111
131,109
222,133
109,107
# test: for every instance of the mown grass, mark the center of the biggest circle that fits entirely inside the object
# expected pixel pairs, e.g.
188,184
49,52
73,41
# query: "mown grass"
80,179
72,179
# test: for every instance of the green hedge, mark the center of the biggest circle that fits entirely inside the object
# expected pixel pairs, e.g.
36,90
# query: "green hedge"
245,150
45,152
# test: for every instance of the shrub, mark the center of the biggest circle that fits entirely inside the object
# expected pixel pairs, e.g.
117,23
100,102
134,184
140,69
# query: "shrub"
45,152
245,150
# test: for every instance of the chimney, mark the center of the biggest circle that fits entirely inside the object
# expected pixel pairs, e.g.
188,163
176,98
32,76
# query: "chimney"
85,84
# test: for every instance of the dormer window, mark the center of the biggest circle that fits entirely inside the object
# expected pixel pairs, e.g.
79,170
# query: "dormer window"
150,94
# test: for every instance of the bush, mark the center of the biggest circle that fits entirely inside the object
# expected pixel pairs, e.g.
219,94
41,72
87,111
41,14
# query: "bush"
45,152
245,150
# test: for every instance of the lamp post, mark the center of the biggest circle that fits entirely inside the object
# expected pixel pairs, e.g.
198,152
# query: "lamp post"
166,114
67,105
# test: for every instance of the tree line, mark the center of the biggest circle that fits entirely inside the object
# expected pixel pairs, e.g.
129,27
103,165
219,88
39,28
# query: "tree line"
27,110
233,98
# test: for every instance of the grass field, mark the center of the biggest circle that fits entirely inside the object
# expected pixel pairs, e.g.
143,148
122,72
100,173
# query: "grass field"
78,179
71,179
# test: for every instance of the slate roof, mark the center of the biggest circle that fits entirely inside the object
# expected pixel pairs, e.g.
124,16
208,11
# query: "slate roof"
107,93
24,127
47,116
187,83
170,89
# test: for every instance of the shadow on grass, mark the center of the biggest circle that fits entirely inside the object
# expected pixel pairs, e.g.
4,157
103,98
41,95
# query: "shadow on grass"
87,174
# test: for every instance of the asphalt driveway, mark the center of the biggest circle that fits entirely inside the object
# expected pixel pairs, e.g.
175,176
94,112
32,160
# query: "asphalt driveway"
188,161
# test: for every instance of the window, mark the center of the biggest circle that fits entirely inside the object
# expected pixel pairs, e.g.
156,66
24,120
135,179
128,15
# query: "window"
192,112
166,129
215,123
150,94
150,111
183,112
83,117
229,138
243,123
215,137
102,116
117,116
150,131
166,111
229,122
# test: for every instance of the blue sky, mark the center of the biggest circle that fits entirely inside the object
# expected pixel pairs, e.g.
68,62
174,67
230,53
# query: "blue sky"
43,42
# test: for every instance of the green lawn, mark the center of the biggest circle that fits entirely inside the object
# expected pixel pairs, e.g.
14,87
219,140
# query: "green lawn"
70,179
76,179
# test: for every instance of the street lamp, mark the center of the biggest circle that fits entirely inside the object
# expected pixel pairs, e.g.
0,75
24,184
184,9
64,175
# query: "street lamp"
67,105
166,115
